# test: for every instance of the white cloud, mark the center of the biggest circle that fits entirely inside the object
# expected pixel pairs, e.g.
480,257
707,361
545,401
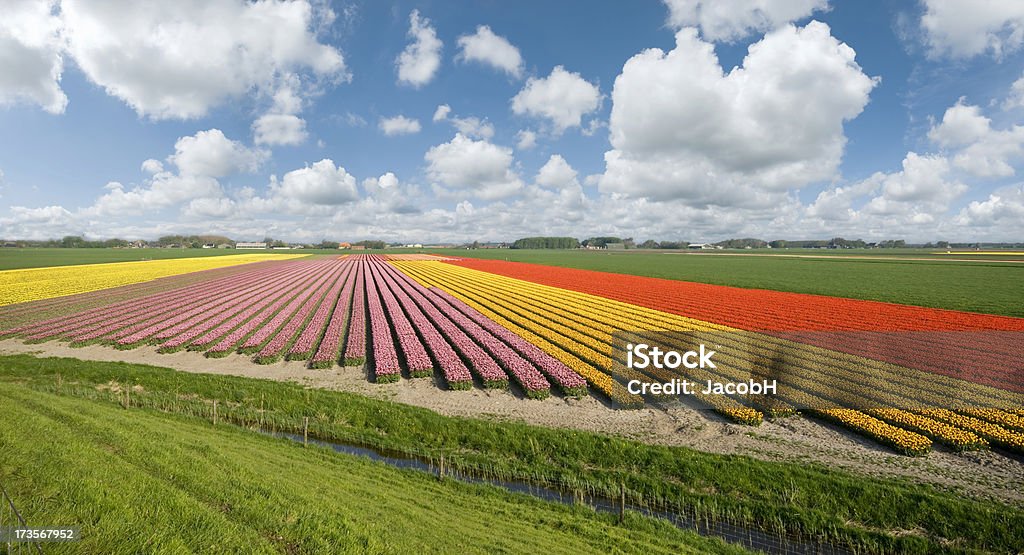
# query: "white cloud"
473,127
31,58
490,49
421,59
152,166
476,168
556,173
163,190
399,125
562,97
442,112
526,139
1016,97
210,153
730,20
279,129
682,128
980,150
962,28
323,183
1003,209
179,59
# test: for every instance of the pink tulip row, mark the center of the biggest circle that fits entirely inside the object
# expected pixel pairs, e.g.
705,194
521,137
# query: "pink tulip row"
42,329
336,299
455,372
416,358
355,345
253,318
385,359
525,373
297,319
200,335
94,324
327,353
288,312
561,375
489,371
206,303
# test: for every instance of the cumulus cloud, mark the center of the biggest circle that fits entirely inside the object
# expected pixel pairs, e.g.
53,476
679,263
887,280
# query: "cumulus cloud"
399,125
476,168
1003,209
490,49
152,166
473,127
179,59
730,20
31,59
163,190
441,113
421,59
323,183
963,29
279,129
682,128
556,173
563,98
209,153
526,139
980,149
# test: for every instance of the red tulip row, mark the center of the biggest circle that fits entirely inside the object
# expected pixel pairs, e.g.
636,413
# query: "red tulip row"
335,300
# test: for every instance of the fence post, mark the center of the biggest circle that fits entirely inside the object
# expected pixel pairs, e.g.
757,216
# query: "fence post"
305,430
214,412
622,502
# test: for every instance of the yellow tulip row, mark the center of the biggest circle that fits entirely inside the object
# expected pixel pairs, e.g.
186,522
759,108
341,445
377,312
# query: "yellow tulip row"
1005,419
32,284
958,439
906,442
994,433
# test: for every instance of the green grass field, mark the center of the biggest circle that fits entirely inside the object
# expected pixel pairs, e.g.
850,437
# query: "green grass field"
14,258
149,482
988,286
75,454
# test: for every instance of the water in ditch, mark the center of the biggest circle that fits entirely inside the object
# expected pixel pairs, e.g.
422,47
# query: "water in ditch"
746,536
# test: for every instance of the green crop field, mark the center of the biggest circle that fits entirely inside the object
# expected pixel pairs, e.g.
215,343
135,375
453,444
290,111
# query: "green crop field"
989,286
150,482
76,457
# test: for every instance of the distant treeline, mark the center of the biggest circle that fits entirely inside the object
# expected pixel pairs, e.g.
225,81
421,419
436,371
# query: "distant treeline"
546,243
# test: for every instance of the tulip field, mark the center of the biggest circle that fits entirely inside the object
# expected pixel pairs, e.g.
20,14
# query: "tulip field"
906,377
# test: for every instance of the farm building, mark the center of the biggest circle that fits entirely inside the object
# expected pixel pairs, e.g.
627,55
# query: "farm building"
250,245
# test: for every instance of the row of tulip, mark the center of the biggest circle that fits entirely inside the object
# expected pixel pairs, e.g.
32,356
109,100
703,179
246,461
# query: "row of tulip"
993,433
414,352
386,367
507,346
92,325
241,326
355,344
455,372
281,339
441,335
318,332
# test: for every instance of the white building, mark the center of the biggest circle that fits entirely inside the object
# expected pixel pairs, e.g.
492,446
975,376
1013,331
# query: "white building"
247,245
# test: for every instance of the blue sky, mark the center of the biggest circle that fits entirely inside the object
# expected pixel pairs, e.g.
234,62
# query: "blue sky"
775,119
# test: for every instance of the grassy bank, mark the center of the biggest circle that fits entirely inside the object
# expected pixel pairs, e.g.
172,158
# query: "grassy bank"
988,286
876,514
146,482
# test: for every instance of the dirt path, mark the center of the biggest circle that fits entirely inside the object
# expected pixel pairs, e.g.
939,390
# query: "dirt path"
796,439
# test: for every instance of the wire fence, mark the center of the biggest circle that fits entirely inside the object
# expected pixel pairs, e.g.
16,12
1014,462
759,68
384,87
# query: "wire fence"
10,519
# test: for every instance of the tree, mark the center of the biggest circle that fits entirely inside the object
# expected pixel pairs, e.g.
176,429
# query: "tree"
778,244
546,243
649,244
328,244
